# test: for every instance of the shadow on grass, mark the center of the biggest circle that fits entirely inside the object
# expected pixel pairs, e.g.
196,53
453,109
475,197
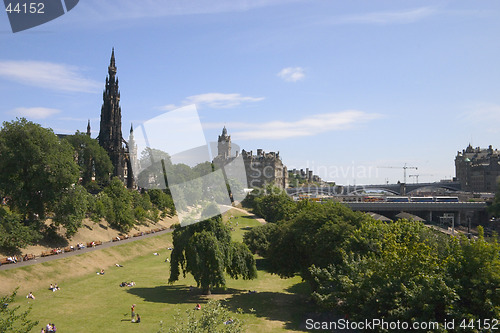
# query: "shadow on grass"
263,264
274,306
175,294
291,308
302,288
249,217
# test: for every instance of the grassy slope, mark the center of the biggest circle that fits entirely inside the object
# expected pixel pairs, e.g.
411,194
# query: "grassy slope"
92,303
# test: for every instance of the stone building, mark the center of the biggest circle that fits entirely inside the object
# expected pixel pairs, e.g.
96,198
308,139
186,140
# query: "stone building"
297,177
478,169
261,169
110,133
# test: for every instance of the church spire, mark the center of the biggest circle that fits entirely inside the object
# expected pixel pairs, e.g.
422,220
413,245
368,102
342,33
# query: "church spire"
110,133
88,128
112,66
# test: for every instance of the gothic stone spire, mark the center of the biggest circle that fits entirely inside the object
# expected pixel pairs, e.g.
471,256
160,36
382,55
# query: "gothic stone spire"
110,133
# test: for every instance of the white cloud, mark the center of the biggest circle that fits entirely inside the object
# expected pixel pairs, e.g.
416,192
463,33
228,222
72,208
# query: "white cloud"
214,101
35,113
312,125
48,75
395,17
292,74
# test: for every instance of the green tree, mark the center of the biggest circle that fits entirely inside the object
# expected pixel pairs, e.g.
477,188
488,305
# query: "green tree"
13,321
162,201
213,317
100,205
205,250
259,239
154,164
120,213
92,159
13,233
36,167
474,272
405,279
71,209
316,235
142,205
275,206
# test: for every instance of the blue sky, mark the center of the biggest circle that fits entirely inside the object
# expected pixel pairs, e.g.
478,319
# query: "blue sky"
342,87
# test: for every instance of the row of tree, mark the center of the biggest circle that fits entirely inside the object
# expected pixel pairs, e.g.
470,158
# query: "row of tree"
43,176
367,269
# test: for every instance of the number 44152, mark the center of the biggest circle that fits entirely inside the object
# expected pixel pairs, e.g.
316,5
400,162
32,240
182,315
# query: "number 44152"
25,8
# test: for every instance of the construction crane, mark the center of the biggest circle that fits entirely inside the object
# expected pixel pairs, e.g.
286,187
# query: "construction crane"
403,167
416,176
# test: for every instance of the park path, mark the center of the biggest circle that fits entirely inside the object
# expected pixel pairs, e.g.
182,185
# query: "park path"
261,220
104,245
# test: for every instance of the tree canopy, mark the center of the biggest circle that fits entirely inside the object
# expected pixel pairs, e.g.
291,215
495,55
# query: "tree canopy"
35,167
366,268
205,250
14,233
92,159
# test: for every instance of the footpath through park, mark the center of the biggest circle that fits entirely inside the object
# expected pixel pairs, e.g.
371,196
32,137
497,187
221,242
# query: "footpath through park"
104,245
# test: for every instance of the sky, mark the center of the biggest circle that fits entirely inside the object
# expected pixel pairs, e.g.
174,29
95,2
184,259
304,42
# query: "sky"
353,90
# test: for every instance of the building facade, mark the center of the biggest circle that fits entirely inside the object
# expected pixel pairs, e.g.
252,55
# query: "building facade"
478,169
261,169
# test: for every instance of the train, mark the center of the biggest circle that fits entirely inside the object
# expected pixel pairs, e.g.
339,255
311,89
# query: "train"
409,199
377,198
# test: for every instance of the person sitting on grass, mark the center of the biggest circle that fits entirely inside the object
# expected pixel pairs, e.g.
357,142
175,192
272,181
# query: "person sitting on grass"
53,328
138,320
30,295
197,307
230,321
101,272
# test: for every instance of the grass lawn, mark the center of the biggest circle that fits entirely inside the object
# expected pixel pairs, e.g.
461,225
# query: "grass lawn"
95,303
